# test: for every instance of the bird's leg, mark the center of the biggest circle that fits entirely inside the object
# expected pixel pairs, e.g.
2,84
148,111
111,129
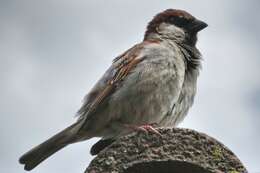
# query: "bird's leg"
145,128
149,128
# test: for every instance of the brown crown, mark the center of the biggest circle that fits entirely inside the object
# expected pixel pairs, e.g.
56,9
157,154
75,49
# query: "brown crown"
164,17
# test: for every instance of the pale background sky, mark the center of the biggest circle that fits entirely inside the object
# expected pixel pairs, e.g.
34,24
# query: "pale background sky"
53,51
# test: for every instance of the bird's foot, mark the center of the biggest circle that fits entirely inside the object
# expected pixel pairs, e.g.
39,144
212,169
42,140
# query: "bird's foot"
146,128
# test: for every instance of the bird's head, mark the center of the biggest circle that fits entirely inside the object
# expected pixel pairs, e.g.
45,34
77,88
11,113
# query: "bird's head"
177,25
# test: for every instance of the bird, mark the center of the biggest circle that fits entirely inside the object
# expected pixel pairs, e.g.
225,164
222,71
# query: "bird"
152,83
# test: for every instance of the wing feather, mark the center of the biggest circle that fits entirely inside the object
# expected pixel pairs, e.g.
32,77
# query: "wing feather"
119,70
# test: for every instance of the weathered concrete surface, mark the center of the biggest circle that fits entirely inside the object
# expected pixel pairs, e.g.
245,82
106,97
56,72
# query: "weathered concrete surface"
177,150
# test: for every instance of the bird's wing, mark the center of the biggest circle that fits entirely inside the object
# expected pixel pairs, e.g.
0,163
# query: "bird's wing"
120,68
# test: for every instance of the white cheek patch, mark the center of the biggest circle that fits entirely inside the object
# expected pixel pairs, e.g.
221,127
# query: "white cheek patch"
171,31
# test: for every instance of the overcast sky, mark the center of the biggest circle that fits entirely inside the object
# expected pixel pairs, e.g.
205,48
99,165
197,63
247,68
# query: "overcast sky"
53,51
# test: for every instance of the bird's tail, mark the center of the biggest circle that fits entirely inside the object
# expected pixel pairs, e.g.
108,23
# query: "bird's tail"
41,152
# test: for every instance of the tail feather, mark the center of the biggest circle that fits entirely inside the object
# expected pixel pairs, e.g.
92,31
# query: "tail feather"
100,145
41,152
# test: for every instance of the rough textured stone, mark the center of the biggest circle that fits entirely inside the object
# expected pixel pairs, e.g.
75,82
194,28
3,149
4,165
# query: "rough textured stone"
177,150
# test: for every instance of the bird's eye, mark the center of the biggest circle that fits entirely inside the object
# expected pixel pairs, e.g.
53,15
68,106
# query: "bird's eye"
179,21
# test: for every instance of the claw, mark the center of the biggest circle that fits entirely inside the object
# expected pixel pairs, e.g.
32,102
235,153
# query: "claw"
145,128
149,128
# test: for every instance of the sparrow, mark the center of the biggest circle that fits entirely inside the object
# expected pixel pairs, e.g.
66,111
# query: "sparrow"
153,82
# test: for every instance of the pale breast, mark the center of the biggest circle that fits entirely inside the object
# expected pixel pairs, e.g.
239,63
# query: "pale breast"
152,88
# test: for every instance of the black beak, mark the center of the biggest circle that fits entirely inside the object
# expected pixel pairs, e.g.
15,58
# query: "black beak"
197,25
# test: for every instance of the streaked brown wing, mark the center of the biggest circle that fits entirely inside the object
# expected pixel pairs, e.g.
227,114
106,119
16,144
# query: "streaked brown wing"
120,68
